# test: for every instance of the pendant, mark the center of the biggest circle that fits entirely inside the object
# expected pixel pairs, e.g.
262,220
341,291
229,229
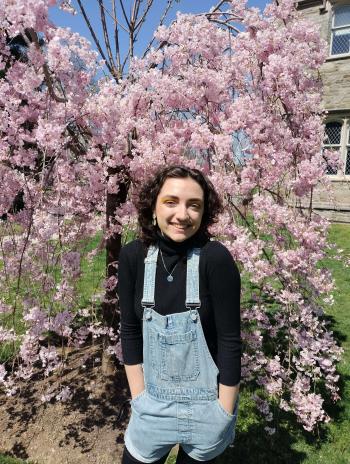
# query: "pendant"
170,278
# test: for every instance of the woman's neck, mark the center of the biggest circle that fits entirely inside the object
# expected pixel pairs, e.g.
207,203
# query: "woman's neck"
170,247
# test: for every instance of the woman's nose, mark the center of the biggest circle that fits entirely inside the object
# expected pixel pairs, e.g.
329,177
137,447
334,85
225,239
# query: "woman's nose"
182,213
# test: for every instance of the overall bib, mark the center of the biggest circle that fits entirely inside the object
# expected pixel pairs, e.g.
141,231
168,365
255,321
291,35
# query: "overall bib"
180,401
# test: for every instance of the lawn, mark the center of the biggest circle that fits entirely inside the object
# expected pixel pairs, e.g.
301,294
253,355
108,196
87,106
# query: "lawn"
290,444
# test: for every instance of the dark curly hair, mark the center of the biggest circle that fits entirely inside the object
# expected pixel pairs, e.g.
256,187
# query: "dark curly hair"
148,194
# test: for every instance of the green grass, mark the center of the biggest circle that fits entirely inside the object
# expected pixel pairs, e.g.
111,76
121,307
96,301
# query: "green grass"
92,272
290,444
8,460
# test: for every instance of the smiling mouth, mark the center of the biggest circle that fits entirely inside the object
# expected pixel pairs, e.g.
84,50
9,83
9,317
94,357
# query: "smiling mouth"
180,227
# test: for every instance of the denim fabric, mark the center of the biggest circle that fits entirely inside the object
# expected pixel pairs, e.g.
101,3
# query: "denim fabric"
180,401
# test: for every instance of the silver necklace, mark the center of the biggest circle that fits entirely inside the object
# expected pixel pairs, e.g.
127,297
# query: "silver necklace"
170,278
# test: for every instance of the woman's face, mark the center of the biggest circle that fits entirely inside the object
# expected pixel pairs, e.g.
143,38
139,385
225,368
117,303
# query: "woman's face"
179,208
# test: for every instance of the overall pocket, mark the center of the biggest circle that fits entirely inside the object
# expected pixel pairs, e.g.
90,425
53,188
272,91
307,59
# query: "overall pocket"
179,356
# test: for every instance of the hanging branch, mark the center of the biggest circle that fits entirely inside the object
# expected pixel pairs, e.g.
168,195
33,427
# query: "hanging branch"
32,34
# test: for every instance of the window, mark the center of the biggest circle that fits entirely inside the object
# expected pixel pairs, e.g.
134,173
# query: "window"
341,30
332,140
347,161
337,137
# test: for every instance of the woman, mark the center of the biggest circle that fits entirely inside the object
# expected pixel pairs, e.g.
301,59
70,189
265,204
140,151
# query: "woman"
179,298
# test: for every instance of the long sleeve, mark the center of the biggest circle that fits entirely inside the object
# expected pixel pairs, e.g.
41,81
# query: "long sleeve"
224,285
131,330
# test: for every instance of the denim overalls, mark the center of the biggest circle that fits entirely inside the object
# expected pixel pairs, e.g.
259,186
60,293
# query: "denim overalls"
179,403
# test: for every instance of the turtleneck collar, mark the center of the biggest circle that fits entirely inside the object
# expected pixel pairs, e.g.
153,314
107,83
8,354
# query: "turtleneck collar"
171,248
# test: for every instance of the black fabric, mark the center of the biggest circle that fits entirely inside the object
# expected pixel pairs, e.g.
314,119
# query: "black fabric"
182,458
129,459
219,286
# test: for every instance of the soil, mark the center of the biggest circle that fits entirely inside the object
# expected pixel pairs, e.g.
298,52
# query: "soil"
89,428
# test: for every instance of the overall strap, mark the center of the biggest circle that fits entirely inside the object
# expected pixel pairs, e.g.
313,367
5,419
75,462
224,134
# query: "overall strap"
192,278
150,276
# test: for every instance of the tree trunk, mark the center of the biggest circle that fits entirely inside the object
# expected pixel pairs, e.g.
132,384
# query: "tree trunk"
110,312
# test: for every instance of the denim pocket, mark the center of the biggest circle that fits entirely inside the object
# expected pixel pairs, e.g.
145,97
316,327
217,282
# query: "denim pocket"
179,356
223,410
137,397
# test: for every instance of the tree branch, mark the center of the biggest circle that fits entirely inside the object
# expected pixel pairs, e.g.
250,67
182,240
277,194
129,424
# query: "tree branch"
218,5
135,11
92,32
221,13
135,8
106,37
144,14
124,13
116,40
162,19
226,24
114,16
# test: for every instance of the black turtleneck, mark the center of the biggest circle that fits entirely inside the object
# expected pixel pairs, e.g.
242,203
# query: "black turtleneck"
219,290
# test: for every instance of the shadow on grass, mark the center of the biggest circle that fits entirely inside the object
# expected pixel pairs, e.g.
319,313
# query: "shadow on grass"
256,447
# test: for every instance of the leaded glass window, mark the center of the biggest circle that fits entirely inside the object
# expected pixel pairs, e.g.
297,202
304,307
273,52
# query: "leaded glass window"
347,161
332,140
341,30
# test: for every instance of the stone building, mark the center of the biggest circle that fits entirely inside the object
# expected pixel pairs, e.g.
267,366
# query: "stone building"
333,18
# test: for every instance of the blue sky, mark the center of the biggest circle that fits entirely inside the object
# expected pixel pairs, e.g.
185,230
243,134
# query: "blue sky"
77,23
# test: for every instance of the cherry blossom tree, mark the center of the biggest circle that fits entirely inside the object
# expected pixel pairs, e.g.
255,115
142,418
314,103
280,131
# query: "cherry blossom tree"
233,91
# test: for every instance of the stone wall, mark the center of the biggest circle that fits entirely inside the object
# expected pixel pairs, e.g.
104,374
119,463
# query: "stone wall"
335,74
334,203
